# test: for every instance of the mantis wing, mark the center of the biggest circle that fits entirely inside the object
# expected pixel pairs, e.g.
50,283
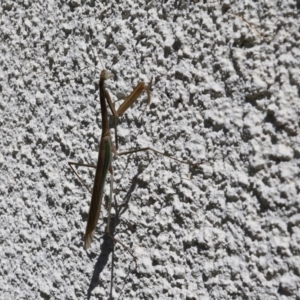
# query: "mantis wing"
103,165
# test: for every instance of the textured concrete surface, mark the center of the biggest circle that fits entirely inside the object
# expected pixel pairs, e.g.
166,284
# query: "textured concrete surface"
226,89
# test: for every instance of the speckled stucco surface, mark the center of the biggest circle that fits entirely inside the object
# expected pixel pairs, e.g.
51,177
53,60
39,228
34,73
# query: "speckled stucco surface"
226,89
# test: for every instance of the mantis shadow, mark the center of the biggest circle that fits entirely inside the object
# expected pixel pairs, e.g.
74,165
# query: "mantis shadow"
108,244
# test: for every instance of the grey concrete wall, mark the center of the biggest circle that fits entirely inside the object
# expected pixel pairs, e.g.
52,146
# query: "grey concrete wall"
225,90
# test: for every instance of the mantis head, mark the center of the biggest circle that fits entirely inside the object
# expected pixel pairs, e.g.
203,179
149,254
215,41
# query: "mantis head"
106,75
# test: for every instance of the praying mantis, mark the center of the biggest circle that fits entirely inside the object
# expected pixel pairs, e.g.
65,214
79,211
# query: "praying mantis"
106,151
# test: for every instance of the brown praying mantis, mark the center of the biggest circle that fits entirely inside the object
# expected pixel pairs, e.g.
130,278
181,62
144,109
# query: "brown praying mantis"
106,149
